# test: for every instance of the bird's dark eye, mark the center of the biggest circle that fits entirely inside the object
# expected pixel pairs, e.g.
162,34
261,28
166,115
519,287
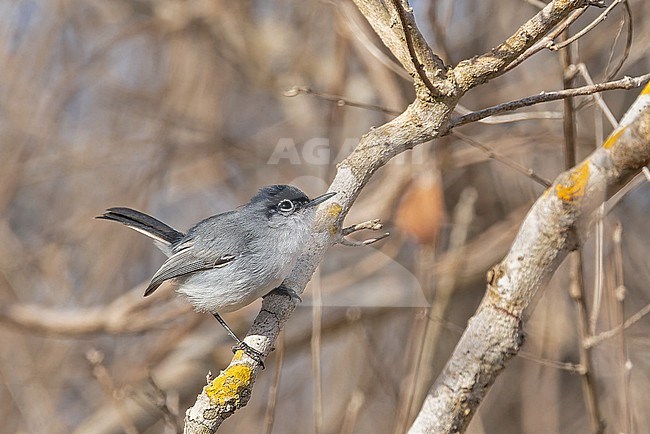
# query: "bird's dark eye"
286,206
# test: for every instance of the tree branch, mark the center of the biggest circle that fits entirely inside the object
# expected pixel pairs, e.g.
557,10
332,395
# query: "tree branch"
472,72
408,37
623,83
546,236
396,27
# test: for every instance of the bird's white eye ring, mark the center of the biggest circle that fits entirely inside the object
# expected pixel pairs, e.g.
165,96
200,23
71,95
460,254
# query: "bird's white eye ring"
286,205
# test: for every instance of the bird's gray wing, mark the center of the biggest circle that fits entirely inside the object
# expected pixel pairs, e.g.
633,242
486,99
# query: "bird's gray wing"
183,262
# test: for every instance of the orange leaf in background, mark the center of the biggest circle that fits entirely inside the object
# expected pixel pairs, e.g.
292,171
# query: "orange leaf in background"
421,211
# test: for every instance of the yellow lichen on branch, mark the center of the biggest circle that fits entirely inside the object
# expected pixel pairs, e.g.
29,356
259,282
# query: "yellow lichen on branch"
334,210
574,188
613,138
333,213
227,388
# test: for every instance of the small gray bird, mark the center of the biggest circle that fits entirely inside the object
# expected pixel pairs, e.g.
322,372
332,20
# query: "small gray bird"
229,260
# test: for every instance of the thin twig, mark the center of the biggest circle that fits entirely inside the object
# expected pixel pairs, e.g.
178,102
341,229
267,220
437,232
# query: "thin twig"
569,112
511,117
503,159
577,293
372,225
355,404
354,243
587,28
464,213
582,69
345,101
269,416
565,366
547,41
419,67
96,360
626,189
317,310
339,100
627,18
623,83
356,28
159,398
440,30
576,286
608,334
620,298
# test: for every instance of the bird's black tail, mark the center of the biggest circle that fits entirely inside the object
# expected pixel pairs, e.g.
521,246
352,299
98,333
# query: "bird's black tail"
145,224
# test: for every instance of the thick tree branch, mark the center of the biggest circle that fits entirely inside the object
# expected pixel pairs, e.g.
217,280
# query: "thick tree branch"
546,236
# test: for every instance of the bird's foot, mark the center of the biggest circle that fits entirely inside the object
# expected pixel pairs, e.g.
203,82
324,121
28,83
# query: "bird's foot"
250,352
285,290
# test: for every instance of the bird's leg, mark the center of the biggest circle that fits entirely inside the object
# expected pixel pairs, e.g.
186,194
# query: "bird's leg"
241,345
285,290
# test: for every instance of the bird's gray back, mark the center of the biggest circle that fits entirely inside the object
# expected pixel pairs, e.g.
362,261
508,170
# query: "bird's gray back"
253,272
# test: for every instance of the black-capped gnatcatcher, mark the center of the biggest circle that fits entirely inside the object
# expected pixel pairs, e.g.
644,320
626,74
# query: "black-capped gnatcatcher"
229,260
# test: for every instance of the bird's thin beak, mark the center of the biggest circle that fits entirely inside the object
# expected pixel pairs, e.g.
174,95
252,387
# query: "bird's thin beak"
320,199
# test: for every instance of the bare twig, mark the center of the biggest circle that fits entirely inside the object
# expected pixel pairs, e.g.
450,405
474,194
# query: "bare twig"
96,359
547,41
126,314
608,334
569,112
576,285
619,292
472,72
570,367
354,243
339,100
317,311
373,225
589,391
627,18
582,69
419,67
503,159
599,242
623,83
350,15
512,117
587,28
634,183
345,101
464,213
160,399
269,416
355,405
